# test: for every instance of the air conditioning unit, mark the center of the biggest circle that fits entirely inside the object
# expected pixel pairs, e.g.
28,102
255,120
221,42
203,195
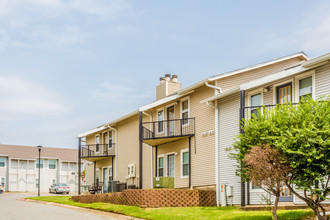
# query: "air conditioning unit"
131,170
164,182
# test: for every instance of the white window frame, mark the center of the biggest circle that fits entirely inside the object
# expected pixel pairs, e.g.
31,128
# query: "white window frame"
98,135
5,162
110,168
52,181
252,93
112,142
164,165
55,164
303,76
260,190
166,125
159,110
43,163
282,83
184,151
4,182
188,110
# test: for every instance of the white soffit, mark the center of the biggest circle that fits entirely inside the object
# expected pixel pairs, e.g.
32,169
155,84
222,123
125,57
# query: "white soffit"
91,131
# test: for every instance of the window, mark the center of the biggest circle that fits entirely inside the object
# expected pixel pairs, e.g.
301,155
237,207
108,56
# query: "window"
52,164
41,163
110,173
160,121
161,166
37,183
185,111
305,88
255,101
3,181
53,181
185,163
110,139
97,142
254,186
2,162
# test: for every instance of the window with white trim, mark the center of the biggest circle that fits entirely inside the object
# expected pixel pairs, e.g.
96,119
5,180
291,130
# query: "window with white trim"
305,87
97,142
37,183
185,111
160,166
52,164
53,181
110,139
41,163
185,163
2,161
160,118
3,181
255,101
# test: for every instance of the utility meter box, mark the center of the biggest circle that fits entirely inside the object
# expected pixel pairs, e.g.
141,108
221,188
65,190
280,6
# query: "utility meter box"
229,190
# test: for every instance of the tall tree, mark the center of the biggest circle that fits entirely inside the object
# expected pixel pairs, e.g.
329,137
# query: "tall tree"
301,133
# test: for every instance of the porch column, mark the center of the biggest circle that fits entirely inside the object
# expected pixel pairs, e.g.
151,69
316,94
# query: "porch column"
94,173
79,166
189,162
242,105
156,160
140,151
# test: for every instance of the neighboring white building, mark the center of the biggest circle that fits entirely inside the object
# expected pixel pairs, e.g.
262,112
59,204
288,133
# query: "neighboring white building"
19,168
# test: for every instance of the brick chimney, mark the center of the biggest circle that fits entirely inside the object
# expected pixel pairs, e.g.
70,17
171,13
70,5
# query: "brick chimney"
167,86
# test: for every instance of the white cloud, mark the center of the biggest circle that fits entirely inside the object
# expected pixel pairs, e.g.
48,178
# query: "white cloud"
311,34
18,95
53,23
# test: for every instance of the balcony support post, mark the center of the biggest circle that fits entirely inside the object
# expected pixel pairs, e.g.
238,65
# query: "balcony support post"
94,173
140,150
241,116
79,165
189,162
156,160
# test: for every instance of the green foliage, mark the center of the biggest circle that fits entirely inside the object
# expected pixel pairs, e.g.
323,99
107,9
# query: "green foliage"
301,133
232,213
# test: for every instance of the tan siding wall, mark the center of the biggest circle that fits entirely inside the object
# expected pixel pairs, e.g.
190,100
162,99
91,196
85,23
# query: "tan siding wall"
236,80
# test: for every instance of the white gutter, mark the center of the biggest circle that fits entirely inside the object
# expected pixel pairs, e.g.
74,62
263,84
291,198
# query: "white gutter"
116,150
151,157
214,87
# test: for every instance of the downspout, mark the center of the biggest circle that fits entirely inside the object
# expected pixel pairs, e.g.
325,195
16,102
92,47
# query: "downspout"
116,150
79,166
151,157
214,87
217,176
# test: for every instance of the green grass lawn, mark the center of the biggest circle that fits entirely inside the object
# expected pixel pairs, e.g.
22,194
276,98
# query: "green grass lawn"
179,212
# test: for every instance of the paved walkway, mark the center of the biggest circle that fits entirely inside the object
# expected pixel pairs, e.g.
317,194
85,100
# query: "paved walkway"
11,208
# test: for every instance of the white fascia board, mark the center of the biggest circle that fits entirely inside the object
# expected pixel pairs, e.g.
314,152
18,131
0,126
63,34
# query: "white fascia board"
91,131
301,54
271,78
221,95
122,118
159,102
316,60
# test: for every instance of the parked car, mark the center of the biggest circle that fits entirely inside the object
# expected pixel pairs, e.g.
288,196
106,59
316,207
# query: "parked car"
59,188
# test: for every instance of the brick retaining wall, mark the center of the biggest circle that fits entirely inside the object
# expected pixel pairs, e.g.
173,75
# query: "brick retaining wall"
154,198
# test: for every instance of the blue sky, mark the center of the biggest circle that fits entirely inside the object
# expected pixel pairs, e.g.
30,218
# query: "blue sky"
69,66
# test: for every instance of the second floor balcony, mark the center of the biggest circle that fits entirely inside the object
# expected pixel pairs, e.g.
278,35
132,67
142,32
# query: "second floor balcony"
160,132
95,152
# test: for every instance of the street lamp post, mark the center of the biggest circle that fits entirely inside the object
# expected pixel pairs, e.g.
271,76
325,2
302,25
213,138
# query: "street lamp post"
39,150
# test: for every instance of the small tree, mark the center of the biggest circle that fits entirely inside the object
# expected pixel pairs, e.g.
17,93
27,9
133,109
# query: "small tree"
265,168
301,133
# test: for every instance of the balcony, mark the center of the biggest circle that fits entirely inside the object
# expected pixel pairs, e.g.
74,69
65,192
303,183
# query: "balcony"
248,111
95,152
161,132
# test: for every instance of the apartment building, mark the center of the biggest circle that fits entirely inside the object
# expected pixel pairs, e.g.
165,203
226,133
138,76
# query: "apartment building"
19,168
246,90
178,137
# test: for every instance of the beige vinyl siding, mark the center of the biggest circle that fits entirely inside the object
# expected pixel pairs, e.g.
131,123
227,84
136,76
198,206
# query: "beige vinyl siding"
170,148
322,81
235,80
203,151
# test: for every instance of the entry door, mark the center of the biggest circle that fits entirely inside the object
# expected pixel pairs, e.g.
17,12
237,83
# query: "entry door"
170,165
285,194
105,180
284,93
170,124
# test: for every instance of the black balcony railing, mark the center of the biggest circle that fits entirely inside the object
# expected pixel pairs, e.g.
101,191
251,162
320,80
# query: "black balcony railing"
250,110
168,128
98,150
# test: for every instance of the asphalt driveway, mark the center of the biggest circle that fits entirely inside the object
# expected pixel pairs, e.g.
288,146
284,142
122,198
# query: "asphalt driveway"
12,208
